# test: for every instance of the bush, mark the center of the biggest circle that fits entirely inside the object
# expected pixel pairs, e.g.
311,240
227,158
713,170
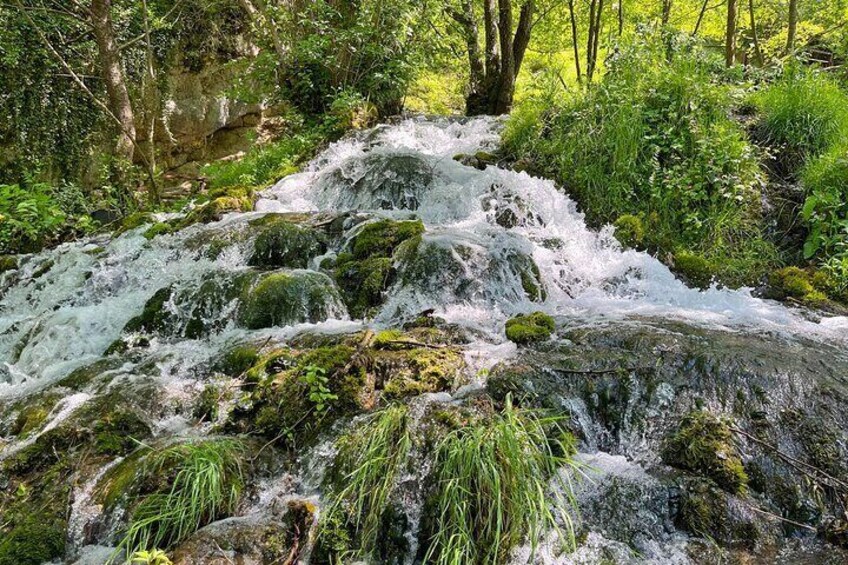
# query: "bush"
653,139
801,115
825,211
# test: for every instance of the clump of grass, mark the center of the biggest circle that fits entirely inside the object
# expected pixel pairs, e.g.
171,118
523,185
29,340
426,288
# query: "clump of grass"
363,476
801,115
492,488
206,479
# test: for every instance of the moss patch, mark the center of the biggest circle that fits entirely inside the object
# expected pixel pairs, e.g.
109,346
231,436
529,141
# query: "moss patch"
695,269
703,444
530,328
629,231
281,243
8,263
381,238
283,298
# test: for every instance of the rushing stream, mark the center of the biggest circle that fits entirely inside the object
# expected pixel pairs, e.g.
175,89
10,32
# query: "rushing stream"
496,243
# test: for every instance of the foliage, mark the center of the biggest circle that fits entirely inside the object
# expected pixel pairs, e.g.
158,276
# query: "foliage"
204,480
362,479
801,115
152,557
315,378
825,210
264,165
653,139
491,481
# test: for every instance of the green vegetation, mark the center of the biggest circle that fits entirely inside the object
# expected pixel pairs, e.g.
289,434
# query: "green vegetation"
284,298
360,484
491,488
281,243
530,328
653,141
196,483
704,444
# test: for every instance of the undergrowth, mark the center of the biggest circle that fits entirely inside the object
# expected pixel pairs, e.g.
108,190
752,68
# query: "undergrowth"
197,483
654,140
492,488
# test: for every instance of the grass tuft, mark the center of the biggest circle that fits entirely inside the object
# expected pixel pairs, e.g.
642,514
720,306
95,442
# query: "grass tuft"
364,472
492,488
205,478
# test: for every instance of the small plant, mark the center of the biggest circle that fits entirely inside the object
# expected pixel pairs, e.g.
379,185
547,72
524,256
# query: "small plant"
530,328
369,461
492,488
205,478
151,557
315,378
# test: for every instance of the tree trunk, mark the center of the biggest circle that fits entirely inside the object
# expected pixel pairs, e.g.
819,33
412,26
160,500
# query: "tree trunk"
575,40
666,13
754,35
793,26
730,34
113,76
700,17
490,22
590,40
620,17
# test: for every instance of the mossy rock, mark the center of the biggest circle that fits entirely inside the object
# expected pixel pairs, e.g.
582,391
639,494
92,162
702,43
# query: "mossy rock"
237,360
135,220
281,243
810,287
79,378
160,228
630,231
8,263
33,414
154,317
363,283
707,511
704,444
34,540
214,210
289,297
531,277
381,238
530,328
119,432
694,269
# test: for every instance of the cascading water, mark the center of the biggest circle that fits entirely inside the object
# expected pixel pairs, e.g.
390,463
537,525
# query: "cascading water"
496,243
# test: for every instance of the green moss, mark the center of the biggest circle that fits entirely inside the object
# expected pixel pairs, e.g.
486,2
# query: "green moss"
154,317
48,449
283,298
281,243
420,370
695,269
34,539
531,281
381,238
8,263
206,405
135,220
119,432
79,378
159,228
629,231
33,414
236,200
238,360
704,444
530,328
362,283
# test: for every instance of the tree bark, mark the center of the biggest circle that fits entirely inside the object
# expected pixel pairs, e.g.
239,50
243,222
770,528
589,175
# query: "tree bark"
620,17
700,17
666,13
754,35
490,23
793,26
113,76
590,40
575,40
730,34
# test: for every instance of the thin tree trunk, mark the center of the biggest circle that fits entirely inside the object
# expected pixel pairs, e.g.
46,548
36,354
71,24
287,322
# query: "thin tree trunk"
260,16
620,17
575,40
490,24
522,35
113,76
730,34
700,17
754,35
506,83
793,26
590,40
666,13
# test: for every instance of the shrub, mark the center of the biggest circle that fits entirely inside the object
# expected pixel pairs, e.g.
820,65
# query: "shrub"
801,115
29,217
492,488
825,211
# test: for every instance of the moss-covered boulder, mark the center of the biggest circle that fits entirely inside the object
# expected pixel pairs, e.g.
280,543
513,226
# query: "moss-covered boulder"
381,238
530,328
629,231
704,444
8,263
282,243
289,297
694,269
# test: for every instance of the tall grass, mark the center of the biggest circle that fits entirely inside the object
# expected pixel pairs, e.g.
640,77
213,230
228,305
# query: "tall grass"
364,472
801,115
492,489
206,479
